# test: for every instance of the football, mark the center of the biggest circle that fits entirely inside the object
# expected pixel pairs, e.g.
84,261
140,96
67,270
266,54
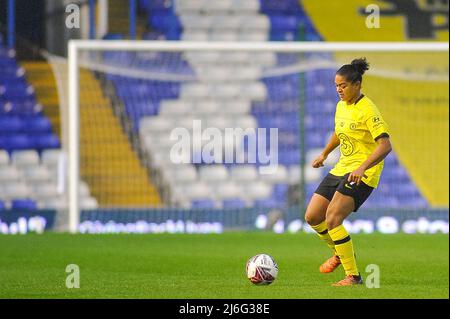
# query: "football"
261,269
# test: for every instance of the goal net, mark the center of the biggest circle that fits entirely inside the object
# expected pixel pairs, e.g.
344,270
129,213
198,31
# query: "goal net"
180,131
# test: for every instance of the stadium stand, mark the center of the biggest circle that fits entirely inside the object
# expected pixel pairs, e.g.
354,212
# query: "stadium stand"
230,87
229,92
29,150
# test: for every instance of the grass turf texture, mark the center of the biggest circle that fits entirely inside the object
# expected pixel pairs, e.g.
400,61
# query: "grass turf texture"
179,266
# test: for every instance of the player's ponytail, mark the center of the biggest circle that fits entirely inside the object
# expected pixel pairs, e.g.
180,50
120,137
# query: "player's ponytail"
354,71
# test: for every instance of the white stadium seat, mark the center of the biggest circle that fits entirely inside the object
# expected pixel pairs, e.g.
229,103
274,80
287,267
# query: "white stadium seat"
228,190
84,189
240,6
198,190
279,176
9,174
4,158
257,190
253,35
226,90
88,203
213,173
45,190
151,124
25,158
37,174
245,122
226,22
203,57
175,108
188,6
243,173
207,107
194,90
254,91
194,35
183,173
196,22
51,157
235,107
15,190
255,22
217,6
58,203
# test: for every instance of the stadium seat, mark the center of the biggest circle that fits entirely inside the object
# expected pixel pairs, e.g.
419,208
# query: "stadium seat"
279,176
188,6
214,7
15,190
197,190
45,190
25,158
57,203
51,157
213,173
197,22
183,174
228,190
258,22
4,158
257,190
266,203
37,174
88,203
2,205
9,174
23,204
151,124
233,203
203,204
244,173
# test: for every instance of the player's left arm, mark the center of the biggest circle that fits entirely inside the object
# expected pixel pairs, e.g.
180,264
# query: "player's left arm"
383,148
379,130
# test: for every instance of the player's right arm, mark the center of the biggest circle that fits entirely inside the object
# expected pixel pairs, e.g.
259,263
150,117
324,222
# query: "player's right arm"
332,144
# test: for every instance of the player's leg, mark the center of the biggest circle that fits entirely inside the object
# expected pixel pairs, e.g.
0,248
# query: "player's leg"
341,206
315,217
347,199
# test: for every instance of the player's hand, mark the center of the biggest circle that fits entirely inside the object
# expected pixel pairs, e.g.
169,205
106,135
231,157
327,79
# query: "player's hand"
356,176
318,162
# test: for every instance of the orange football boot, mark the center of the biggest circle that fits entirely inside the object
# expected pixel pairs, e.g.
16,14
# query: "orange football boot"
330,265
351,280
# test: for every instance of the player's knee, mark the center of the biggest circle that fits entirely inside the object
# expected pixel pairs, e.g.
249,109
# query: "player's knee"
333,219
312,219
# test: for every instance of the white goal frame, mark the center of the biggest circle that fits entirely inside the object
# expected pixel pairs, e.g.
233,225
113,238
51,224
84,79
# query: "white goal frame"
75,46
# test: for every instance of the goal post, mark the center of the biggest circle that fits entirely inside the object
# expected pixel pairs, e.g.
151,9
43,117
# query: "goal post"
71,124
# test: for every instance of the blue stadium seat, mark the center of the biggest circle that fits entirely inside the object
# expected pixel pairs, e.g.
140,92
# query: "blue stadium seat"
266,203
23,204
37,124
11,125
46,141
235,203
16,142
2,205
202,204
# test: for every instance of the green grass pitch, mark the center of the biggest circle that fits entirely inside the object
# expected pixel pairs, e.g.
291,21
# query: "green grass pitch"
180,266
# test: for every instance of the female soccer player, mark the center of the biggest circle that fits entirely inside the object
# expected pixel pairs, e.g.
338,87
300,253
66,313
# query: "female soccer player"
363,137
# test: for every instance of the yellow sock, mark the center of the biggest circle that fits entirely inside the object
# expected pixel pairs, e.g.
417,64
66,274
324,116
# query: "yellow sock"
344,248
322,232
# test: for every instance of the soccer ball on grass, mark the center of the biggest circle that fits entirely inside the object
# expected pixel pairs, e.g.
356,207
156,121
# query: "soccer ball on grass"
261,269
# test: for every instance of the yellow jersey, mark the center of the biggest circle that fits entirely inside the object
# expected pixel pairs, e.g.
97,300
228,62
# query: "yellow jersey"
357,126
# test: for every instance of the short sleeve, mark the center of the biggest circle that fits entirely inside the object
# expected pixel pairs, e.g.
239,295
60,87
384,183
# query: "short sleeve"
375,122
